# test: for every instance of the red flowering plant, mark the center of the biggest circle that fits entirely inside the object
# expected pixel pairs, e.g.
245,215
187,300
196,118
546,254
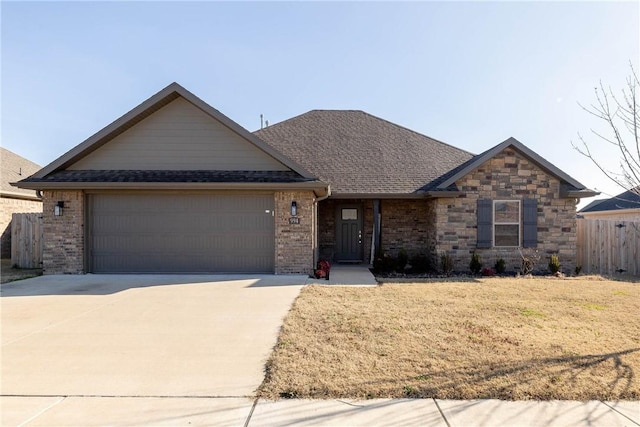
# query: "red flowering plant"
489,272
324,267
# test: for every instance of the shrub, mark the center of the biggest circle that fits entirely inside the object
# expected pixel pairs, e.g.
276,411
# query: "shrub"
384,263
401,261
578,270
529,260
554,264
446,263
475,265
501,266
420,263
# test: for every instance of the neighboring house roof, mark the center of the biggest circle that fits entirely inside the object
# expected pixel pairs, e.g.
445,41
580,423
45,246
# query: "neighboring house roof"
55,174
360,154
628,200
14,168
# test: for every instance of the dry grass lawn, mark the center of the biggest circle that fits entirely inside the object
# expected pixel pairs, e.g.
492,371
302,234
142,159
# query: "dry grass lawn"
510,339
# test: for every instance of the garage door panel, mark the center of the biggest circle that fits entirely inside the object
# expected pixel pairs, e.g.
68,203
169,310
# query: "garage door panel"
182,233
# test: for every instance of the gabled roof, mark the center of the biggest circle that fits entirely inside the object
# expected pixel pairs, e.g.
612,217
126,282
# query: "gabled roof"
570,187
148,107
14,168
362,155
628,200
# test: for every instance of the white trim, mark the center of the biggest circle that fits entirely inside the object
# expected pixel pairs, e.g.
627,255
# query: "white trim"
493,223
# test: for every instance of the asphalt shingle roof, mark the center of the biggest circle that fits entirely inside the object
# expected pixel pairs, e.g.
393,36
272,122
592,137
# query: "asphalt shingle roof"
627,200
172,176
358,153
15,168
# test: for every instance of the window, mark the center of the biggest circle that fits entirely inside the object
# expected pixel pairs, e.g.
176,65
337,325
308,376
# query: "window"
506,223
349,214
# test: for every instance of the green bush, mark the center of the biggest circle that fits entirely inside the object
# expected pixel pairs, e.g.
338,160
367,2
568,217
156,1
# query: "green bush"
384,263
554,264
401,261
475,265
420,263
501,266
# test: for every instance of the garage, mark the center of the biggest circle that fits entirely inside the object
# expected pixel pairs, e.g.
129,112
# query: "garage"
172,232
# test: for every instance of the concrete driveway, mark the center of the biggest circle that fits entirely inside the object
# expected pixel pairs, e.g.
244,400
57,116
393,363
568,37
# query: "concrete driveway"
141,335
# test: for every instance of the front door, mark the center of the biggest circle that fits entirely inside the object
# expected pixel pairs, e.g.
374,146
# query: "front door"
349,233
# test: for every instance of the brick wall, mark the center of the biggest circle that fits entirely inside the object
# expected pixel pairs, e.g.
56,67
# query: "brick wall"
295,243
409,225
63,250
406,224
9,206
508,176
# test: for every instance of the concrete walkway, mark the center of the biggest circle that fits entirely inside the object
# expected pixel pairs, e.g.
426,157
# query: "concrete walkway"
348,274
172,411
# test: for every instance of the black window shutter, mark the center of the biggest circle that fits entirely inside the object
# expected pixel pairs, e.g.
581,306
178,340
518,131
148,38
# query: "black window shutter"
530,223
485,223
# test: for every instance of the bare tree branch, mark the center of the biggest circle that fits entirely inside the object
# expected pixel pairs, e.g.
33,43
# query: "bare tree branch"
621,117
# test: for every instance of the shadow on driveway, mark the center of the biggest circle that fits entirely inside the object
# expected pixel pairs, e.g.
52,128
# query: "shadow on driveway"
106,284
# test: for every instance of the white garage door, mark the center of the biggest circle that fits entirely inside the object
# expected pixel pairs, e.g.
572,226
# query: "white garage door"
187,233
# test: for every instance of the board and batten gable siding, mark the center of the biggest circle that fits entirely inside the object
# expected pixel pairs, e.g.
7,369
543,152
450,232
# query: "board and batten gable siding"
179,136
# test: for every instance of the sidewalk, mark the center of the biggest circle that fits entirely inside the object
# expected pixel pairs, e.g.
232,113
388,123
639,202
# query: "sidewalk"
243,412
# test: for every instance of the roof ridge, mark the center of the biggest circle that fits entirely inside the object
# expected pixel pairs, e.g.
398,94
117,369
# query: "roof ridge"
305,113
374,117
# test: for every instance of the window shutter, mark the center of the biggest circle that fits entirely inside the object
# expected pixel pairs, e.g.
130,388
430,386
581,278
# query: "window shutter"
485,223
530,223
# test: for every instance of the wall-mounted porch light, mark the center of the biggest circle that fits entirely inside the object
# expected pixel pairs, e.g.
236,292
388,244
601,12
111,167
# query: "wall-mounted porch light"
57,209
294,208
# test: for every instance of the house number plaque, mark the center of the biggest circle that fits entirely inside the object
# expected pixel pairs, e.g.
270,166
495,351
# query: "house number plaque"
294,220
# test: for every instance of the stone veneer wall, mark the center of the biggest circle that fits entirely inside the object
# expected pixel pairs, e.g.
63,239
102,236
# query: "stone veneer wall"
508,176
63,250
295,243
9,206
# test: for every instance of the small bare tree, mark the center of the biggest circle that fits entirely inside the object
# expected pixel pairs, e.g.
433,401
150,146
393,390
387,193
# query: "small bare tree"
621,115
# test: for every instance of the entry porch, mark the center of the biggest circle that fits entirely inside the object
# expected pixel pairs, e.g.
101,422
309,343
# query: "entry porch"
355,230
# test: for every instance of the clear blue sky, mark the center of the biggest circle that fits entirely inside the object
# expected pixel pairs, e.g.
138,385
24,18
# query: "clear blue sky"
471,74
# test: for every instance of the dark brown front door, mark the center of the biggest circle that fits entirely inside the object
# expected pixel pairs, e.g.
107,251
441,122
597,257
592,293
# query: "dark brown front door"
349,233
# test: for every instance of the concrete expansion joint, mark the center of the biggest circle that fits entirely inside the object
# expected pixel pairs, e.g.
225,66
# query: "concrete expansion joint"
615,410
45,409
253,407
441,413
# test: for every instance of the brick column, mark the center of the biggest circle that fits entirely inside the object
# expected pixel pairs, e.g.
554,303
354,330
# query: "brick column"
294,241
63,249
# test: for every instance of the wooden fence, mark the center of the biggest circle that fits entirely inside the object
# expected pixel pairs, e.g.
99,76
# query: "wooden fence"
608,247
26,240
